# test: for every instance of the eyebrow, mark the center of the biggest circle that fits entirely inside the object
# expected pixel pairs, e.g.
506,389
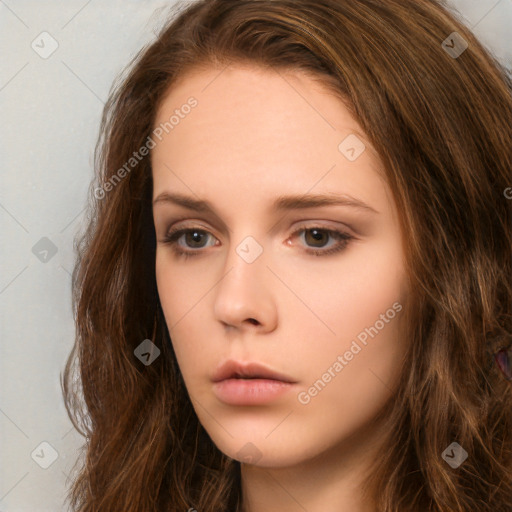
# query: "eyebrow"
281,203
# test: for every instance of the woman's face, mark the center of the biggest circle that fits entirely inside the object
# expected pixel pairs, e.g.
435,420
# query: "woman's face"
268,279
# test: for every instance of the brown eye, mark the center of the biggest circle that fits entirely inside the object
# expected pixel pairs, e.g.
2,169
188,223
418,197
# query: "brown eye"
317,237
193,241
195,236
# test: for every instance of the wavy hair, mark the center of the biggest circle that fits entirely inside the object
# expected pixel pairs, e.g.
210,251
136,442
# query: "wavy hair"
441,123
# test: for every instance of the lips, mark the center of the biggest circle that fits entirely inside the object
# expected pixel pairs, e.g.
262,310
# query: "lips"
248,370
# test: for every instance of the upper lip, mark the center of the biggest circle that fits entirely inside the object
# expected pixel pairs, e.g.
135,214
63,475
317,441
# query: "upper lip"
235,369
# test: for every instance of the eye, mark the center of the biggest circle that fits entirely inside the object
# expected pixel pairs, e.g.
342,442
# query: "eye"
195,238
317,235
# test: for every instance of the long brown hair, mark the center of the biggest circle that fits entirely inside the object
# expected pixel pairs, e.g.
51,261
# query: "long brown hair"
441,123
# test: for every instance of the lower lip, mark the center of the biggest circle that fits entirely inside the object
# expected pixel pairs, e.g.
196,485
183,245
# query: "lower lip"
250,391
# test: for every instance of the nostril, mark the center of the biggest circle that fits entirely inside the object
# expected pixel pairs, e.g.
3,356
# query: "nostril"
253,321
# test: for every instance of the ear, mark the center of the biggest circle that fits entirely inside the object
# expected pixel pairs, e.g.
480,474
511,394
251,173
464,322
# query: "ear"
503,359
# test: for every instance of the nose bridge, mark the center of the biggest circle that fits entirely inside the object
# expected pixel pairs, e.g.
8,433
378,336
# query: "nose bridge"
245,262
243,292
249,249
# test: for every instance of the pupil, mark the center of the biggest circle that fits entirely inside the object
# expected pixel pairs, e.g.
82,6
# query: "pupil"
196,234
317,234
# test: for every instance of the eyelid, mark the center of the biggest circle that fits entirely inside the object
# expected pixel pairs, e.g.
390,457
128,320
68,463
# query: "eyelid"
192,224
326,227
185,223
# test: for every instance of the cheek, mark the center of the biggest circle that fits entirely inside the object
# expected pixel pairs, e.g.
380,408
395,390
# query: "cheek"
349,380
178,291
166,285
369,289
348,294
180,295
370,333
175,294
360,313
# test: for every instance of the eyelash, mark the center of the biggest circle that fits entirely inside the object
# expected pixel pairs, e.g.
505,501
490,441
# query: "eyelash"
343,240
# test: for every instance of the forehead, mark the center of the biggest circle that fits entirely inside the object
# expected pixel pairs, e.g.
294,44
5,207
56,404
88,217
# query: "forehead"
253,103
254,127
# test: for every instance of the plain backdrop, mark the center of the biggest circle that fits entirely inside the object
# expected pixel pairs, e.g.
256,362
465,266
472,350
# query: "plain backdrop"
58,61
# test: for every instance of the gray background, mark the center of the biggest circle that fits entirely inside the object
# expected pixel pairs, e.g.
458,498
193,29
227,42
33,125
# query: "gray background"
51,110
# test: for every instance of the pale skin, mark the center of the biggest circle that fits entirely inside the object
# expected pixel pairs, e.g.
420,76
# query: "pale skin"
254,135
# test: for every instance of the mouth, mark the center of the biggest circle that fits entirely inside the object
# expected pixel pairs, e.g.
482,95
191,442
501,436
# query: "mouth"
235,383
248,371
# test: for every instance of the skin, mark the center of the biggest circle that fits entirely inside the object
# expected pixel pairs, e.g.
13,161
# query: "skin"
256,134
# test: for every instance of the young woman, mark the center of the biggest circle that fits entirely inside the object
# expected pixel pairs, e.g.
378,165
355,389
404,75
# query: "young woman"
295,290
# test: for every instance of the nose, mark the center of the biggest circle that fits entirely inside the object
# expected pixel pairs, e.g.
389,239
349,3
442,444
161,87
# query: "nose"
245,295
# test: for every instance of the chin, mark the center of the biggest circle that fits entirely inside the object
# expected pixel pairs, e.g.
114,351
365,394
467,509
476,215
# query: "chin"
261,452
